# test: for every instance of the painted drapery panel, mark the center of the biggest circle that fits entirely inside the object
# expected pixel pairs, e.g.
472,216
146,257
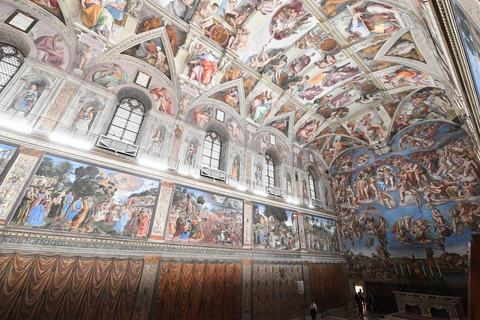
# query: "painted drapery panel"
421,200
275,292
197,291
275,228
321,234
67,287
202,217
328,286
67,195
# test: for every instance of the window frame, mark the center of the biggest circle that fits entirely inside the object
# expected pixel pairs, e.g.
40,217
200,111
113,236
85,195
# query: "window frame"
270,174
18,55
209,155
128,120
311,184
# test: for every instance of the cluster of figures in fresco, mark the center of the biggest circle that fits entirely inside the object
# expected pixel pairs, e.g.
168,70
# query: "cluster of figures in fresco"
321,234
426,195
201,217
70,196
275,228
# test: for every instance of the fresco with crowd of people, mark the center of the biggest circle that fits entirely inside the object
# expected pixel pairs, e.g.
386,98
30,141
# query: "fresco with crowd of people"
70,196
202,217
410,213
321,234
275,228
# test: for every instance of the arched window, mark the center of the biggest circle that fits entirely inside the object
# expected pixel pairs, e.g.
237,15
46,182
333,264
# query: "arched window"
127,120
311,183
11,59
270,174
211,150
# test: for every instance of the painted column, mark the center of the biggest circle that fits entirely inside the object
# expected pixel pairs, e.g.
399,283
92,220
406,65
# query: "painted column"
57,107
17,176
248,171
146,288
176,143
246,289
247,224
158,229
339,238
301,228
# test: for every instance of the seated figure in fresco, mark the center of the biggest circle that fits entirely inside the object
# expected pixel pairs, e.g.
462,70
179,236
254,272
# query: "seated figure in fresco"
38,213
181,8
375,19
97,18
111,77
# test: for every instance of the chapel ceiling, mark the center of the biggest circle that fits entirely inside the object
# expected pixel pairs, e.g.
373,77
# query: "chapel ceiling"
325,75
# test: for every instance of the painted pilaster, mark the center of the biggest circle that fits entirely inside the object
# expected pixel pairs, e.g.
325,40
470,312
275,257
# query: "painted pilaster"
301,227
248,167
158,229
247,224
146,288
176,142
57,107
246,289
12,185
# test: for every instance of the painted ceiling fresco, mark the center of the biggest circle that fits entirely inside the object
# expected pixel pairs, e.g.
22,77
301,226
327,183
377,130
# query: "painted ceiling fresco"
362,70
357,84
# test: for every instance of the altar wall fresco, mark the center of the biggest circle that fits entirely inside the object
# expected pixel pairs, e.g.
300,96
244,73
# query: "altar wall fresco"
421,200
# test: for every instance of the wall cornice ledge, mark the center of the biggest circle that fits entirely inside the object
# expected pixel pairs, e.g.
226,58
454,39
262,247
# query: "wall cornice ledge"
35,242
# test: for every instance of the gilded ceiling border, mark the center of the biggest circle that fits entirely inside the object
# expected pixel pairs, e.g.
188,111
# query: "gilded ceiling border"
445,17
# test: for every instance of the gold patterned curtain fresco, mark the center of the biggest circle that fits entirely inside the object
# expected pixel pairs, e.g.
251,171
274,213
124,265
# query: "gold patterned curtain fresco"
275,292
67,287
197,291
328,286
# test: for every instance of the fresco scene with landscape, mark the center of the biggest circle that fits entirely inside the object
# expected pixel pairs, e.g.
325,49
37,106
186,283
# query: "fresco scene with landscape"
275,228
409,214
202,217
70,196
321,234
6,153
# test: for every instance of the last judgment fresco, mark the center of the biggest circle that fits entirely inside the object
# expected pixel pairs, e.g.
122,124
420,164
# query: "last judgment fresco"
411,211
206,218
70,196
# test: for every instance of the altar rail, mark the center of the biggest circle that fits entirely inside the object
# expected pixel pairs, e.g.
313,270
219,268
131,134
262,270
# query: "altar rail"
453,305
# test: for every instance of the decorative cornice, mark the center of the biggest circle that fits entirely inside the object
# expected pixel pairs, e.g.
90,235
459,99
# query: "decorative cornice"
446,19
27,241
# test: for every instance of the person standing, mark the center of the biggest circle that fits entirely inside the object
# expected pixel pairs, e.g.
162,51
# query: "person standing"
359,302
369,301
313,310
